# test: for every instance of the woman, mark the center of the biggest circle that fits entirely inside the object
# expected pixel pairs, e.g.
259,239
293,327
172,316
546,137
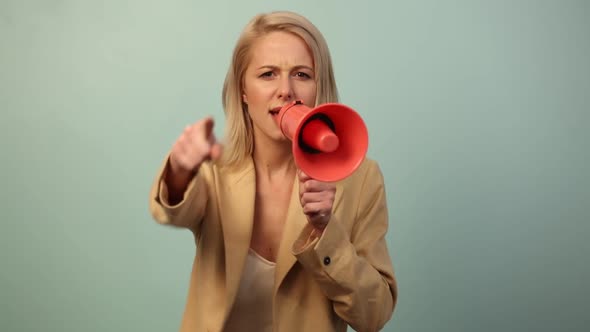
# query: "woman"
276,250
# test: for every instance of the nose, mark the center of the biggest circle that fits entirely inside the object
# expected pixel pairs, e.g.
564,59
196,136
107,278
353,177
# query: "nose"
285,89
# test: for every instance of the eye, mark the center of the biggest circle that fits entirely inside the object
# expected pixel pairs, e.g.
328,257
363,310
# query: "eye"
266,74
301,74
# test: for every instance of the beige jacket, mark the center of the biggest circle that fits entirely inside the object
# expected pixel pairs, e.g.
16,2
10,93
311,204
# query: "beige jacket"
321,284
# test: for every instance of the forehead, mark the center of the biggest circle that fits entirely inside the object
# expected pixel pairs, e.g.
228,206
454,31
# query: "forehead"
280,49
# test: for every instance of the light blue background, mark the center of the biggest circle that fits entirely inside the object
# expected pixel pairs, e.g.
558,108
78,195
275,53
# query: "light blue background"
478,114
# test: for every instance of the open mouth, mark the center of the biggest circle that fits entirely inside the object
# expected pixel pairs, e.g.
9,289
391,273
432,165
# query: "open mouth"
275,111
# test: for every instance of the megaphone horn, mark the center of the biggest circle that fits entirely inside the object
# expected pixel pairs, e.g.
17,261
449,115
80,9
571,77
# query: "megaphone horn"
329,141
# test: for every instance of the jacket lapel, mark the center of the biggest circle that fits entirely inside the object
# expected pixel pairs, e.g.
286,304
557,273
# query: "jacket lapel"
237,215
294,224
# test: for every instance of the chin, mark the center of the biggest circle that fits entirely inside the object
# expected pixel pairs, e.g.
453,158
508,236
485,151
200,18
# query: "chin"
276,134
279,137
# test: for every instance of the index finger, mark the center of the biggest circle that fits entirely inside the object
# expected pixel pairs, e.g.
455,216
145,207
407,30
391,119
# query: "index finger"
208,126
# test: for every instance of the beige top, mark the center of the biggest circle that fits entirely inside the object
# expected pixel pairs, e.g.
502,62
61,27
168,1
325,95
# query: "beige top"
252,310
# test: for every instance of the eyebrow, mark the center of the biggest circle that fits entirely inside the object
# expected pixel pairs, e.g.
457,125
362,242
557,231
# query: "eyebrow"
275,67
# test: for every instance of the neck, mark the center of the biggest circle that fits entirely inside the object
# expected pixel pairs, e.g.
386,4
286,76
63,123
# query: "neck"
275,160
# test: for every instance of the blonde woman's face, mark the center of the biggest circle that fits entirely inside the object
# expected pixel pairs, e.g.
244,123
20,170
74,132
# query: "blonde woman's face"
281,71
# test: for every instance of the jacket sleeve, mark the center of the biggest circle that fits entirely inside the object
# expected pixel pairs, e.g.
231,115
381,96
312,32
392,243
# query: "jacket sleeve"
189,212
355,270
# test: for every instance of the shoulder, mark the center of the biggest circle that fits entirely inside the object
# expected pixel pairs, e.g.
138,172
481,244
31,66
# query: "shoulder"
221,174
368,171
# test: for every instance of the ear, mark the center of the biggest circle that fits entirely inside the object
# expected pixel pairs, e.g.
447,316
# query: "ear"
245,98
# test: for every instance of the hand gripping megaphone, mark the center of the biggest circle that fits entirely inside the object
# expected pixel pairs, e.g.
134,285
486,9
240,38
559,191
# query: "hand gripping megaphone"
329,141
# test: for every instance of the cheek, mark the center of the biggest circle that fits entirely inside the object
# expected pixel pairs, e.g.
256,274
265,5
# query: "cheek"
254,94
303,89
310,94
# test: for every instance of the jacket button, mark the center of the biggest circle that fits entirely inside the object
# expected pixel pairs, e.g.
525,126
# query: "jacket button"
326,260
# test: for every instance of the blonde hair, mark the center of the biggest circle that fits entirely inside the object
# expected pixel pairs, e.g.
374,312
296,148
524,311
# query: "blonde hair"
239,139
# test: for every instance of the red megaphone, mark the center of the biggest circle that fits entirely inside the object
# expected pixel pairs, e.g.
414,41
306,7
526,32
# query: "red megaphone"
329,142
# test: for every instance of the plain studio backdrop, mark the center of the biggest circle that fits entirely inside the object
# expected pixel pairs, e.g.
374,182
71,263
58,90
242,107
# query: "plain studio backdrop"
478,113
